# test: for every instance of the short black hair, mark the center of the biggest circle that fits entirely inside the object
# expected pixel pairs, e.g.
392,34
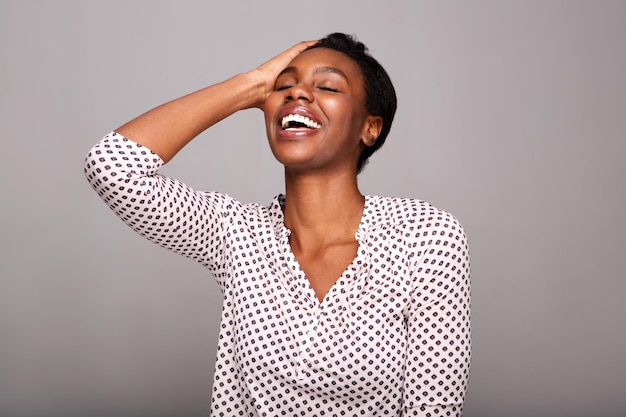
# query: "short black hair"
380,96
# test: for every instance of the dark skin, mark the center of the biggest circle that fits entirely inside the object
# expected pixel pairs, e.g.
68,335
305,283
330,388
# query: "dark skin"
323,203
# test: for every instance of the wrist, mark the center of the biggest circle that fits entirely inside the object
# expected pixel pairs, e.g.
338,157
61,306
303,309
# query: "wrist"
256,87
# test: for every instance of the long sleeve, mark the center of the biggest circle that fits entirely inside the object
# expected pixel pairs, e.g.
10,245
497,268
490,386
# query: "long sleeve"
164,210
439,342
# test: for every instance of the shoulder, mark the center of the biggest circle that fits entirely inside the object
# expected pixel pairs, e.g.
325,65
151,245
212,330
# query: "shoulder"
251,216
416,218
232,207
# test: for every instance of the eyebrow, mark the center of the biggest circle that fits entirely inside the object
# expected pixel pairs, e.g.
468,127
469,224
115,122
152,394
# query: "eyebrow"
317,70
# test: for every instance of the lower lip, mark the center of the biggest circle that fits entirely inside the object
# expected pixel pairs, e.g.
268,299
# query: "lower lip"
296,133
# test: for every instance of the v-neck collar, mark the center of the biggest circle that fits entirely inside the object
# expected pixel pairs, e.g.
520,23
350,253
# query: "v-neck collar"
350,277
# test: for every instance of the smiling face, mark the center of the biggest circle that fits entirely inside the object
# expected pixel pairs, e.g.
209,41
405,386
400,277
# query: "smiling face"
316,118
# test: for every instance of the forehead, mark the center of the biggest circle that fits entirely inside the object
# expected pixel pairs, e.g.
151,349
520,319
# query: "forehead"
314,58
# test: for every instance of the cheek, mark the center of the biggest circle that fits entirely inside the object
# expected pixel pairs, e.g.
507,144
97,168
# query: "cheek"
272,102
339,112
347,113
269,109
345,107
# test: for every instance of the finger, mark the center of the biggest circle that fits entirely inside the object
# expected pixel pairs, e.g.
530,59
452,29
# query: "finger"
298,48
288,55
301,46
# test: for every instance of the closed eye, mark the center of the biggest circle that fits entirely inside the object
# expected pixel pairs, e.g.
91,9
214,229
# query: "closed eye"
283,87
328,89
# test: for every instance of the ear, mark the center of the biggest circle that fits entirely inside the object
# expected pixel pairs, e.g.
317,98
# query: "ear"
371,130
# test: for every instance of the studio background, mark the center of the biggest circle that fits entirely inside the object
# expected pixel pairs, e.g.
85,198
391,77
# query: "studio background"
512,116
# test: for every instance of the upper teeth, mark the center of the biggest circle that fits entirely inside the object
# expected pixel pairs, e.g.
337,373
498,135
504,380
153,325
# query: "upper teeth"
300,119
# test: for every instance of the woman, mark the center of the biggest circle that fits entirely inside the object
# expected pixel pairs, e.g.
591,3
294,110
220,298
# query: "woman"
335,303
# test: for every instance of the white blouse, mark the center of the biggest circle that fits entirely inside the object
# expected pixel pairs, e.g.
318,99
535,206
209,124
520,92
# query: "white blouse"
391,337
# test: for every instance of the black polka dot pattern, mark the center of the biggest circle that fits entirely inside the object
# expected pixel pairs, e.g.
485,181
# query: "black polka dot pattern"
391,337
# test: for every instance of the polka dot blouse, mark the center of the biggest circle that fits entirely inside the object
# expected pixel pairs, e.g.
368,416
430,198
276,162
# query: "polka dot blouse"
390,338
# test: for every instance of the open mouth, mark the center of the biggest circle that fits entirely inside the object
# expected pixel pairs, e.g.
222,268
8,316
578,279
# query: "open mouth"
297,121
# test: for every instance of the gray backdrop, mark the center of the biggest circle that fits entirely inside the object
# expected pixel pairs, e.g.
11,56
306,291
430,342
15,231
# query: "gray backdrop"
512,115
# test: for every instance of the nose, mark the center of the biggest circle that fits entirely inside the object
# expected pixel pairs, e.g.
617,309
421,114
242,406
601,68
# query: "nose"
299,91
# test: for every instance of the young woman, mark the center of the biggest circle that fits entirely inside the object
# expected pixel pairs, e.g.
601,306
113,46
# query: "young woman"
335,303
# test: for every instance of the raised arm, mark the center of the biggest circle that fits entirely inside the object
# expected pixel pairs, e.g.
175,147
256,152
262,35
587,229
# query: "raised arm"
123,168
168,128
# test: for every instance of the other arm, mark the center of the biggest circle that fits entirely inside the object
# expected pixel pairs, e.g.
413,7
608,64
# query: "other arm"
439,342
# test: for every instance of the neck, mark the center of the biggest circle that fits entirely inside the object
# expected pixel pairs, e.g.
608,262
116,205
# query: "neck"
322,209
